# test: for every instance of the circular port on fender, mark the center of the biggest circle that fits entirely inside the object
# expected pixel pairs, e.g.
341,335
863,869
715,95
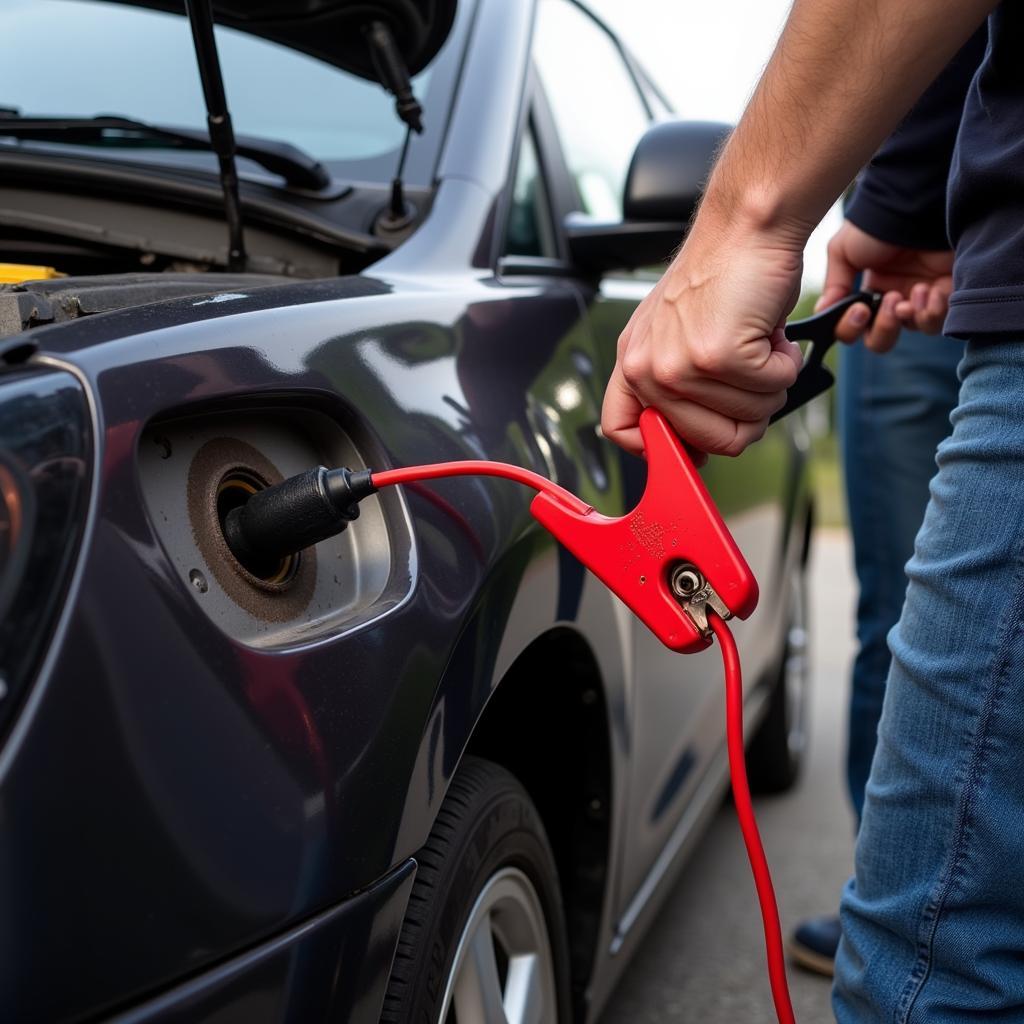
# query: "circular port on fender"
223,474
233,491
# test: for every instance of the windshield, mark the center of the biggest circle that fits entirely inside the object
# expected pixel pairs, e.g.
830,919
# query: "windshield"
85,57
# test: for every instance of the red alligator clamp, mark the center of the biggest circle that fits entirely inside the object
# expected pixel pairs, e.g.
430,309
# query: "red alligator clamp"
671,558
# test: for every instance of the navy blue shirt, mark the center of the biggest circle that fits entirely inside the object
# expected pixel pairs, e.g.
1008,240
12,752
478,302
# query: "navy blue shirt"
953,174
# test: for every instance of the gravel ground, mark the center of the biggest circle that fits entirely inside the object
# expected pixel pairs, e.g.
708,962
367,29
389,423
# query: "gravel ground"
704,960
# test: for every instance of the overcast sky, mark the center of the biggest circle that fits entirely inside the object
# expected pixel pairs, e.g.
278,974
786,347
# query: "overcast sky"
707,55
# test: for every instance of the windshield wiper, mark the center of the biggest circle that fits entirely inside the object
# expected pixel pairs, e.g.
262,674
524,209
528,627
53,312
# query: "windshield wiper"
298,169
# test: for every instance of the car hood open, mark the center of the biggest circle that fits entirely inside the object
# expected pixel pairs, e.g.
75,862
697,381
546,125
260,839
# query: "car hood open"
332,30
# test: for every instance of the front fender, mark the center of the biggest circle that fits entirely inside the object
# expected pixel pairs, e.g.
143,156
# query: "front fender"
533,589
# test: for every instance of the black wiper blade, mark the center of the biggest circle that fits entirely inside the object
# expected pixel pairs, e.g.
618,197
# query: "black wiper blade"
300,170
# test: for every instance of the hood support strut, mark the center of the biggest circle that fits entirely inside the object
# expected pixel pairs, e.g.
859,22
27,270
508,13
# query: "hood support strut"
218,119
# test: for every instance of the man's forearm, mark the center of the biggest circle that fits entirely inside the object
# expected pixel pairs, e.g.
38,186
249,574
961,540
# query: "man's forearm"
843,75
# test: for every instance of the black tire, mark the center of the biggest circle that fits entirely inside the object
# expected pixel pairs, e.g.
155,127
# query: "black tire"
487,828
776,753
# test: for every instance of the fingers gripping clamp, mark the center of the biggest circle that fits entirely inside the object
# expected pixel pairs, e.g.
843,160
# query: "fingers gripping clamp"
672,557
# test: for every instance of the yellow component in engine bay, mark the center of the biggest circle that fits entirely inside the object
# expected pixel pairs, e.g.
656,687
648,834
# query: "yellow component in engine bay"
17,273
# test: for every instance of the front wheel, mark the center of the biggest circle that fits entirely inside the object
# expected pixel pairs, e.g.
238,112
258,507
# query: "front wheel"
484,936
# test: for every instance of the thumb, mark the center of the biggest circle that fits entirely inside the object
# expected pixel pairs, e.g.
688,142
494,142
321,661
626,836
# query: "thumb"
620,414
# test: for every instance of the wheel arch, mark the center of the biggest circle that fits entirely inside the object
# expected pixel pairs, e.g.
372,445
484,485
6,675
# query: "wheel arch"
547,723
525,635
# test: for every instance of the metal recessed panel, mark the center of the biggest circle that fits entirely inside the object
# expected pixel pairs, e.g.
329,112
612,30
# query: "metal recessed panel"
339,584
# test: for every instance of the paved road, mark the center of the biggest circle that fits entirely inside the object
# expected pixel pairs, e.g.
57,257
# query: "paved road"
703,960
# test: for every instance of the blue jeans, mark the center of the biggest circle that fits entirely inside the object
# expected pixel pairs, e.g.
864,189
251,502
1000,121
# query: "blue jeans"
933,922
893,412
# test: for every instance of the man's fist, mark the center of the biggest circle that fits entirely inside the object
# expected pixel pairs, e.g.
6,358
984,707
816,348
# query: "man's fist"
706,347
916,284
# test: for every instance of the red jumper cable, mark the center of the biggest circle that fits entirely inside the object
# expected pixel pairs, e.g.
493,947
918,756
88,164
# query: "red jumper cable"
672,560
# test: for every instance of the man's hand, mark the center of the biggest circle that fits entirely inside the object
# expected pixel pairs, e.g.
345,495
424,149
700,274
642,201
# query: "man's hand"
916,284
706,347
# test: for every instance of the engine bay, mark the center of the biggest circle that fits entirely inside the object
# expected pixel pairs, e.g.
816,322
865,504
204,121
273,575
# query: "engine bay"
85,248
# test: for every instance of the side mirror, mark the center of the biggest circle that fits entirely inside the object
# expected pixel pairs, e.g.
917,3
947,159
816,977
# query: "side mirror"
666,177
670,168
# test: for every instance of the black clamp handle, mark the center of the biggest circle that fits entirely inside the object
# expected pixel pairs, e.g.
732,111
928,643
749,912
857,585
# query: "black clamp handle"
820,330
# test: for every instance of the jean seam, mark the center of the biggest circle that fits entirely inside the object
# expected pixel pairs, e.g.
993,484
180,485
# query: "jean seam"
972,773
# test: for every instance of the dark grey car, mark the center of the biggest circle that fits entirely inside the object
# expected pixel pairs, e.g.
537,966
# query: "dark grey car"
430,769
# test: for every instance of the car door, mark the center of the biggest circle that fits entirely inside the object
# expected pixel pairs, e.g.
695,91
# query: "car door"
590,112
564,398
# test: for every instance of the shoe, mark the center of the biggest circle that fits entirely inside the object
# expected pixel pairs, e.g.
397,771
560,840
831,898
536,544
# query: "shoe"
814,944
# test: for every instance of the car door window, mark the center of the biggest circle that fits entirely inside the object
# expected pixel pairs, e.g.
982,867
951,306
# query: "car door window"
597,108
530,231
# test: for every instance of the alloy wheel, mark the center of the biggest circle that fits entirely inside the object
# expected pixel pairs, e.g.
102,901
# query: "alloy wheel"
503,971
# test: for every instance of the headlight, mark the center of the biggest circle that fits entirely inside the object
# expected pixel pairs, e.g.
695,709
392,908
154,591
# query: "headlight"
44,475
